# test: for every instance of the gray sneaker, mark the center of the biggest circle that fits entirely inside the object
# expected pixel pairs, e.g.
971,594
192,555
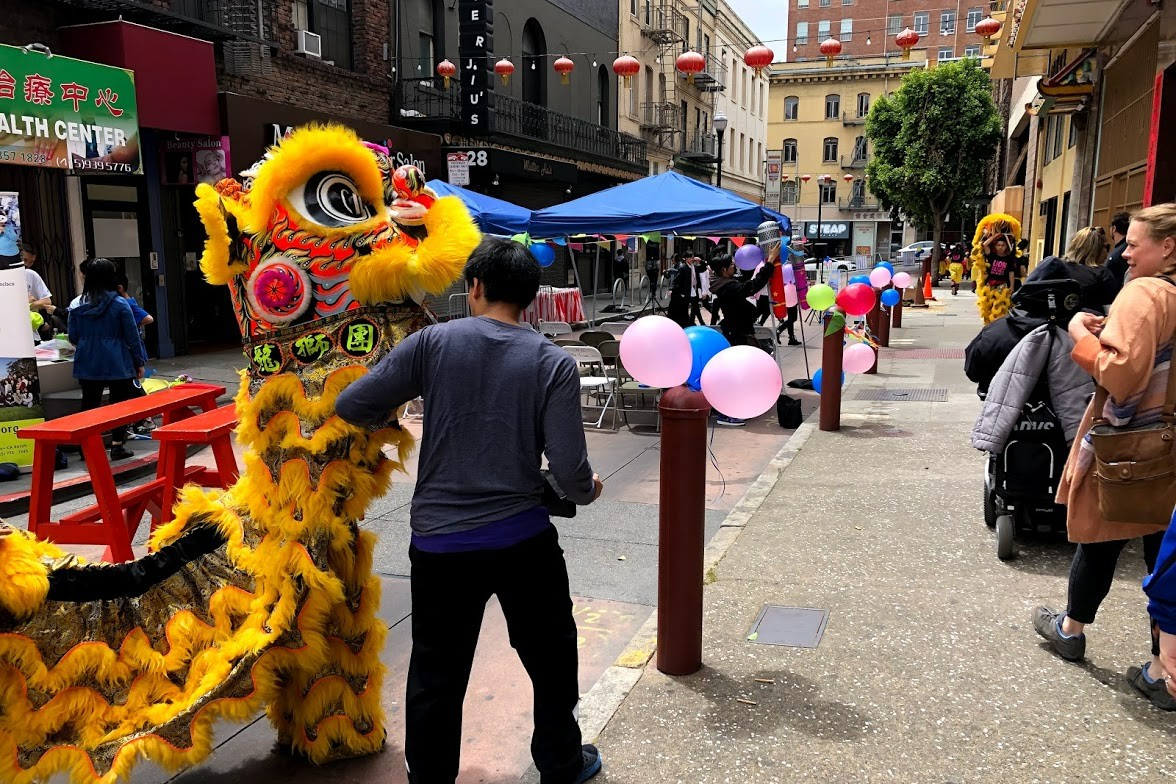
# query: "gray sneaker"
1156,691
1045,621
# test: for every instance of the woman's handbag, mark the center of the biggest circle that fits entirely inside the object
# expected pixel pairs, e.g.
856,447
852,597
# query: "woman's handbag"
1135,467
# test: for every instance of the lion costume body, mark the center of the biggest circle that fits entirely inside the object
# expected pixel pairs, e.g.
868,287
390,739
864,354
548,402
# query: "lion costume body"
994,303
261,596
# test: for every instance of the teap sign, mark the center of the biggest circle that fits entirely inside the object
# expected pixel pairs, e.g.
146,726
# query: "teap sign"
475,44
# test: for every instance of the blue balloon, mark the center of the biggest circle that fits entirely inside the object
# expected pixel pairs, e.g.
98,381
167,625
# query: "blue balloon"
891,297
886,265
818,376
704,344
543,253
861,279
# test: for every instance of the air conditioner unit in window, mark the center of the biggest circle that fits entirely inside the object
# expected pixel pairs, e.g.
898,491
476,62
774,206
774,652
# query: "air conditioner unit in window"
310,44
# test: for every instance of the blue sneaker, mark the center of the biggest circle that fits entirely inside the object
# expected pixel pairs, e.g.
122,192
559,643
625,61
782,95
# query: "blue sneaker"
727,421
592,763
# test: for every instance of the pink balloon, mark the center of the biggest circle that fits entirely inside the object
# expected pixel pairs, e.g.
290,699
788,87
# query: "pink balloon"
790,297
741,382
656,352
858,358
902,280
856,299
879,277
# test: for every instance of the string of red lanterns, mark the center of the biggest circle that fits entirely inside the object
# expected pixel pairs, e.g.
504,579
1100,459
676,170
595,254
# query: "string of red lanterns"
504,68
626,66
690,63
830,47
906,41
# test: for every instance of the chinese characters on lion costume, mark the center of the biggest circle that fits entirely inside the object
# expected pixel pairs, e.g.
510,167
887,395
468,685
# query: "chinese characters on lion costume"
994,303
261,596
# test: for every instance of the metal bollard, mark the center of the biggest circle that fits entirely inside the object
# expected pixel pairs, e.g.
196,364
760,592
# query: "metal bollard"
832,351
872,323
681,530
896,313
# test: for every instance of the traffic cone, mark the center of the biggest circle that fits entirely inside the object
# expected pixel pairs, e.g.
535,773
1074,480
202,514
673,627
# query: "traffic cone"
927,295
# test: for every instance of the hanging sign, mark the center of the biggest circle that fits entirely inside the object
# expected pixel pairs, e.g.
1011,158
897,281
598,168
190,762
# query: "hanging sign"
61,113
459,168
475,44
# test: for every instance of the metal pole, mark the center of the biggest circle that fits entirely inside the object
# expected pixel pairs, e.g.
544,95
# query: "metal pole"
595,278
719,173
681,530
831,354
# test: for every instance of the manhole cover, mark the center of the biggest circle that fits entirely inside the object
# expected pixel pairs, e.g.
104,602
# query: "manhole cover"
926,353
881,394
798,627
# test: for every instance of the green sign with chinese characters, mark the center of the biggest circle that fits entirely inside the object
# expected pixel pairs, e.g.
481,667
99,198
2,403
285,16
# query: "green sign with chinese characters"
61,113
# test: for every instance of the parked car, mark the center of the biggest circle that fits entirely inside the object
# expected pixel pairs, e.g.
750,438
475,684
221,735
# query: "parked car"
812,266
912,251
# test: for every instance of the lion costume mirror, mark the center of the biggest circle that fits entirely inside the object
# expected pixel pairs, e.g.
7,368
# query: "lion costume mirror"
261,596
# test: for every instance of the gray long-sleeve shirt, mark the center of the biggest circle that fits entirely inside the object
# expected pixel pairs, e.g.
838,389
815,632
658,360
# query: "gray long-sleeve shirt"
497,397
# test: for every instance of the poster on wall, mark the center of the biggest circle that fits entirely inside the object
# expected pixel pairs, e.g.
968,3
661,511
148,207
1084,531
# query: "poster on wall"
193,160
20,395
9,230
61,113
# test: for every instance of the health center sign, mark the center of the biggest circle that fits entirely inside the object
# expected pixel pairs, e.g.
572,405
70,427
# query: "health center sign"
61,113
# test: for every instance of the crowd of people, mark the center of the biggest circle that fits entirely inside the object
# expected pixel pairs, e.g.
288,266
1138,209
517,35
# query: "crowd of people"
1119,338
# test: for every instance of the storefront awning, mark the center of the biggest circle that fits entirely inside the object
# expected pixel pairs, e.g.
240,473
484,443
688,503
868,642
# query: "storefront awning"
1055,24
1069,90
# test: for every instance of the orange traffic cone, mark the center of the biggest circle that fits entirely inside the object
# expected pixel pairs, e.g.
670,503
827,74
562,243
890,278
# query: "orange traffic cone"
927,288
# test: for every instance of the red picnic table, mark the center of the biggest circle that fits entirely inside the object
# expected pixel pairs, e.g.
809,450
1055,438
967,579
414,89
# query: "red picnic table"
113,520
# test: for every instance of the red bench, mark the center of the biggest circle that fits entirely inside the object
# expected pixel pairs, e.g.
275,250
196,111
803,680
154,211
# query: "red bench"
113,520
212,428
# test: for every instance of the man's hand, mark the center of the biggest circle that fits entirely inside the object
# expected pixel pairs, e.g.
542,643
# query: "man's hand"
596,480
1168,659
142,369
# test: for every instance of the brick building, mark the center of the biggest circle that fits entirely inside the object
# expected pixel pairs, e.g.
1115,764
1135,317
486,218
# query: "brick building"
867,28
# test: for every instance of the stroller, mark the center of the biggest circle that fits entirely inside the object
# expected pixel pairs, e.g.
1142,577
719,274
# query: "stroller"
1021,481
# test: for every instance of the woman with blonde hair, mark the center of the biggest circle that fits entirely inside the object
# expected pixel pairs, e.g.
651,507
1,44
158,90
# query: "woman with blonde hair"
1083,263
1129,353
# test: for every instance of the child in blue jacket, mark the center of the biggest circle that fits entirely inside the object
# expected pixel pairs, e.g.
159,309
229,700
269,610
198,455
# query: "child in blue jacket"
1161,589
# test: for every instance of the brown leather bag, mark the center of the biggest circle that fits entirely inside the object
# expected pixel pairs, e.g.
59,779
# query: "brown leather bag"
1135,467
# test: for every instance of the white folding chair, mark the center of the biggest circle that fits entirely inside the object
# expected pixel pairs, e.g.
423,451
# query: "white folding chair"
602,385
554,329
616,327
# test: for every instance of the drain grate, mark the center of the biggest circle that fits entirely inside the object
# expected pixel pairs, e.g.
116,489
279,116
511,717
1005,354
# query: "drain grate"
926,353
799,627
882,394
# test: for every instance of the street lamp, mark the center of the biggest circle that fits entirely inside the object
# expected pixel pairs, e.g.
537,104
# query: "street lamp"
822,180
720,129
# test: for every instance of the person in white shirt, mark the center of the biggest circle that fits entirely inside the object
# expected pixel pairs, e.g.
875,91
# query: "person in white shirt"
39,295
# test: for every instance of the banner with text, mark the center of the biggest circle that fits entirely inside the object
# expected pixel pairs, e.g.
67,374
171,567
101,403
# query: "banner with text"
61,113
772,194
20,396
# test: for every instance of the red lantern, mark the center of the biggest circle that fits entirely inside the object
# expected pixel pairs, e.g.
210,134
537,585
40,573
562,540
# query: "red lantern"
563,67
690,63
830,47
445,70
848,178
759,57
626,66
987,28
805,177
906,41
784,178
826,178
504,68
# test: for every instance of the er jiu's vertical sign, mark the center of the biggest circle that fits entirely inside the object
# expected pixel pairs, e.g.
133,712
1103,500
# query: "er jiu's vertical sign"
474,48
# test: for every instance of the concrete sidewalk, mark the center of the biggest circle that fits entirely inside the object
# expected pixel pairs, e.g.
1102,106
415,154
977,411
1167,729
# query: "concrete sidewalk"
929,668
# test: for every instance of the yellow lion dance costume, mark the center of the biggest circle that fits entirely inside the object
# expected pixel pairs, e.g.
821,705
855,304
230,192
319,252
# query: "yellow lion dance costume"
261,596
994,303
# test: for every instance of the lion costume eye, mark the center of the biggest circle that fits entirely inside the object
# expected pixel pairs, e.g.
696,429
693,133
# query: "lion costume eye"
331,199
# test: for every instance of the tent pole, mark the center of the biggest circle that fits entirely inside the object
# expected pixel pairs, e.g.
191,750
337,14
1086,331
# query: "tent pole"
807,381
595,277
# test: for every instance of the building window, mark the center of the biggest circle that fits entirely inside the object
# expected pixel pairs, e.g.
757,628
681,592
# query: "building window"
832,107
791,107
633,7
426,36
742,152
861,149
1059,134
825,3
602,113
535,64
947,21
802,3
1073,133
830,149
828,192
847,2
894,25
801,33
789,155
846,30
974,17
788,193
972,50
863,104
922,20
331,21
823,29
945,53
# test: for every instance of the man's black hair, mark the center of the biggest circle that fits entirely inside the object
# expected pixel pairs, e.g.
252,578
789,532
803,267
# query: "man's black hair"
508,271
1120,222
719,262
29,248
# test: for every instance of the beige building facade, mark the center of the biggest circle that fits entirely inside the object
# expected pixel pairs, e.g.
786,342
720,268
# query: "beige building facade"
817,127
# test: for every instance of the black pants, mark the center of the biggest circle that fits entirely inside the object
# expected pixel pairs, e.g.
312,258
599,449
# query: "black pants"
789,323
679,310
449,595
763,309
695,312
1093,571
120,390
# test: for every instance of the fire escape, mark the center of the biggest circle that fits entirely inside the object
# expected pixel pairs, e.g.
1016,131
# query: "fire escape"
664,23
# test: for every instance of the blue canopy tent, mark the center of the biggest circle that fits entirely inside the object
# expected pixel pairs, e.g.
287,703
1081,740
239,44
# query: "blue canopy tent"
494,216
668,203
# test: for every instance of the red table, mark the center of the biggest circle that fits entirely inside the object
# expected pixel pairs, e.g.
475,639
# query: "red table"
115,518
212,428
556,305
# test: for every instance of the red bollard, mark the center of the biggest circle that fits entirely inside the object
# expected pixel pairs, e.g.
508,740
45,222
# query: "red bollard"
832,350
681,530
884,329
872,324
896,312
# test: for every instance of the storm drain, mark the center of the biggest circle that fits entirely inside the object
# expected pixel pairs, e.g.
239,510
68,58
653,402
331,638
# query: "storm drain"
798,627
926,353
884,395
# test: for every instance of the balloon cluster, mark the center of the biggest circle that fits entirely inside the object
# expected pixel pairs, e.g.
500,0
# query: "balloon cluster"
738,381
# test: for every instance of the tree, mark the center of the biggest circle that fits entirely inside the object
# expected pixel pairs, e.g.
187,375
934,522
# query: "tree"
932,140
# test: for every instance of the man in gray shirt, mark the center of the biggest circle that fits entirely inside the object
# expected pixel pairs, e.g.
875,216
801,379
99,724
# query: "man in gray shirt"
497,396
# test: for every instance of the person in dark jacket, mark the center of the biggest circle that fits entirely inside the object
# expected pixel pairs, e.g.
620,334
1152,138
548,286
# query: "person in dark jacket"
679,279
109,351
1116,264
1160,587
